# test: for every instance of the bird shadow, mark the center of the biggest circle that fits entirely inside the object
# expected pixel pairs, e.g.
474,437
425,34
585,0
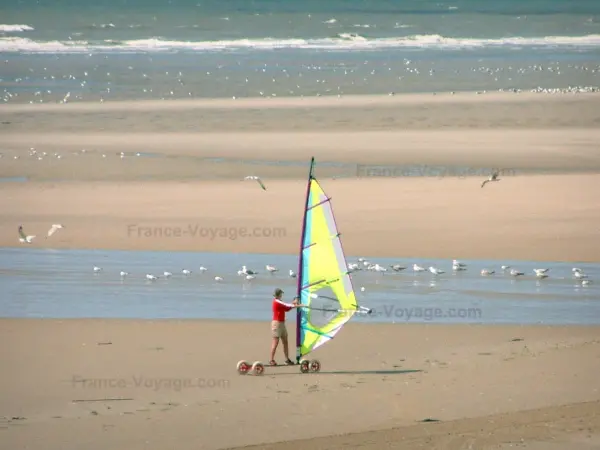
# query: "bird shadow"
355,372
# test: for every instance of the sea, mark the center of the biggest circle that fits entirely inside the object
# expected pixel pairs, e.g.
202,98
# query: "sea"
102,50
62,284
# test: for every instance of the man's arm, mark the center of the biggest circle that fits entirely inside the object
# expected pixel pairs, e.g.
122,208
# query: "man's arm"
287,306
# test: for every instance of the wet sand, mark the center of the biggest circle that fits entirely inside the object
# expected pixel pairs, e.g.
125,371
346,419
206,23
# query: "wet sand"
114,383
108,202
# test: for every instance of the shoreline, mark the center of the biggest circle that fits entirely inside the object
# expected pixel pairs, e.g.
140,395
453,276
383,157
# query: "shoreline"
395,256
325,101
291,324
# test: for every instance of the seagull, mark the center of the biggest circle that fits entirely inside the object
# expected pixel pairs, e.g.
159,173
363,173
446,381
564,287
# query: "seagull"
271,269
417,268
377,268
250,277
23,238
254,177
458,267
186,272
505,267
292,274
540,272
167,274
576,269
435,271
486,272
580,275
352,267
202,269
516,273
457,263
397,267
151,277
53,228
541,275
124,274
585,282
492,177
247,271
97,269
218,279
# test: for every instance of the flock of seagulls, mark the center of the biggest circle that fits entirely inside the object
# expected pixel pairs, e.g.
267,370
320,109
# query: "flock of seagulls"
244,272
28,238
458,266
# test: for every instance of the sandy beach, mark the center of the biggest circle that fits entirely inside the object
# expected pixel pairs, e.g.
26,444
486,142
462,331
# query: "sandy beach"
118,384
544,207
152,385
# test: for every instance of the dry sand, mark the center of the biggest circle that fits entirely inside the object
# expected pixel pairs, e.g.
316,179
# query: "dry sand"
477,381
104,201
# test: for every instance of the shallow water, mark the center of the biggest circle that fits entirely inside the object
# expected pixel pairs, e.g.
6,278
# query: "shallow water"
61,284
169,49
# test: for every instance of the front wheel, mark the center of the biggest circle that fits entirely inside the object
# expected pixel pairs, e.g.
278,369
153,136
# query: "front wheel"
315,365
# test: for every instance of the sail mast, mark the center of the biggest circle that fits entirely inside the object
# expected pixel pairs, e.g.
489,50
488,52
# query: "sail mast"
301,264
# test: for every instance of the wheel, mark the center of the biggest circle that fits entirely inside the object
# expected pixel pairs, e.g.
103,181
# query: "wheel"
315,365
257,368
243,367
304,366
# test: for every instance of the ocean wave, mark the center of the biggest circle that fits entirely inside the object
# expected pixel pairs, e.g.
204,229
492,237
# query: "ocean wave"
14,28
344,41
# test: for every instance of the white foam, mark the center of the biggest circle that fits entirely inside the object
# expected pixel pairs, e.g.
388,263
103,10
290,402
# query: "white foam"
345,41
14,28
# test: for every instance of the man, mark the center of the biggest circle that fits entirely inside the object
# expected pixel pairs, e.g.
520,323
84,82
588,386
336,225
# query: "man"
278,329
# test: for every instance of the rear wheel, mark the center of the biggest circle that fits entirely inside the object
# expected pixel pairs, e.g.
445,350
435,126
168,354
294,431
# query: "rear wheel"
304,366
243,367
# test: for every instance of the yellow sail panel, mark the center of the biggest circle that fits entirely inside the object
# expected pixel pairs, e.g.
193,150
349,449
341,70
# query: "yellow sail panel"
325,284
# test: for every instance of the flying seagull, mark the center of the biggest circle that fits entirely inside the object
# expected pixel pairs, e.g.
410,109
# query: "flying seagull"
53,228
254,177
24,239
492,177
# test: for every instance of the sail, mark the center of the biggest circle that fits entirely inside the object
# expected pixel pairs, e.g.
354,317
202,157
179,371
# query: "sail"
323,280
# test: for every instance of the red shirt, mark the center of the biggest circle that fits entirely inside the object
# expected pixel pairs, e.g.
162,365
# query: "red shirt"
279,310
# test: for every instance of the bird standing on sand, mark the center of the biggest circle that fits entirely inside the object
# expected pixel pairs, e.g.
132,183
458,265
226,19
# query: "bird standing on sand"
53,228
23,238
492,177
397,267
254,177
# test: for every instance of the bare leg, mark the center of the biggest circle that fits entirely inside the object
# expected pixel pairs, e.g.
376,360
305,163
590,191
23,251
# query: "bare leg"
274,347
285,347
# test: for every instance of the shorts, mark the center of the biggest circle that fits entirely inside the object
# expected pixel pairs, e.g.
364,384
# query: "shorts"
278,329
